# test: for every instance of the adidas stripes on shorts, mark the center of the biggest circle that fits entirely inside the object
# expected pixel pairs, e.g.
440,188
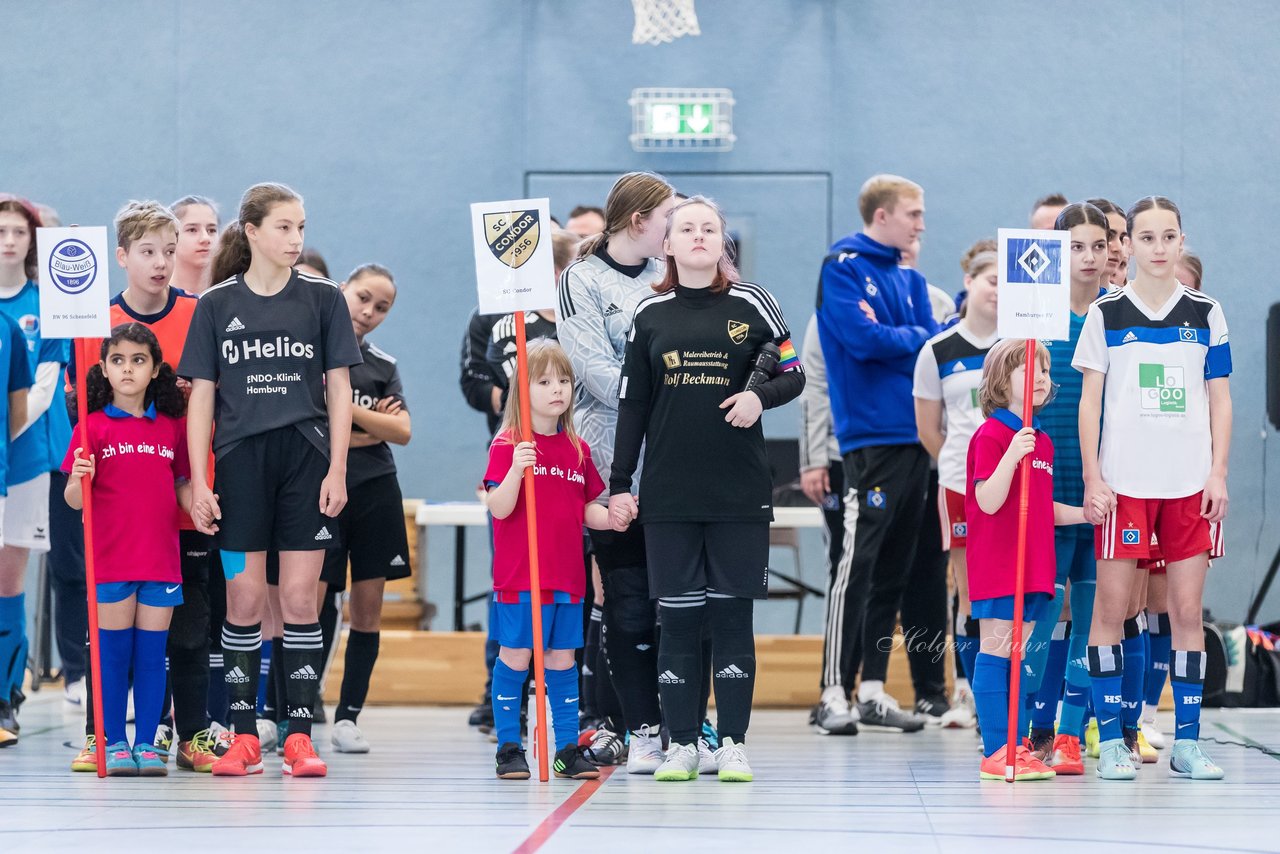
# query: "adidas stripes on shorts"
371,530
268,488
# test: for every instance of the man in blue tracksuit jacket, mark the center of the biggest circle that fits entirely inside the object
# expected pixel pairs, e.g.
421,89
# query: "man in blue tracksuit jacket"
873,317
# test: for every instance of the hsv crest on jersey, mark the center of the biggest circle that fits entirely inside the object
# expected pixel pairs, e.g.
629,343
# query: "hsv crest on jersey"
512,237
738,331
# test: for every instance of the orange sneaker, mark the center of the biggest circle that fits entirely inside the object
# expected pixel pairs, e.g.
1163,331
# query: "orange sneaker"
244,758
1066,756
300,759
197,754
1026,766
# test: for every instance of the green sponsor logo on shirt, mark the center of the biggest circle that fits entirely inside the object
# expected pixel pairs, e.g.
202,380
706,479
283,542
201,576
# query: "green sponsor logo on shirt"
1163,388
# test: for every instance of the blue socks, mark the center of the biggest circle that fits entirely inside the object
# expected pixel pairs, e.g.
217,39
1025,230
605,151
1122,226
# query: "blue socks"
1106,670
507,697
1160,640
562,691
1075,693
1045,710
116,653
148,683
1187,676
967,646
990,685
13,643
1135,673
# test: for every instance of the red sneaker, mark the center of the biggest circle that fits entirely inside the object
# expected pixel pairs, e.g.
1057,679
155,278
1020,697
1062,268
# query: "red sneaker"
244,758
1026,766
300,759
1066,756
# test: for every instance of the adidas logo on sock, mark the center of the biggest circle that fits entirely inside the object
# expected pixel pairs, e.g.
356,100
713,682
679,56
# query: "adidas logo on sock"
237,676
301,712
324,534
397,561
612,310
235,325
733,671
241,706
669,678
305,672
1129,337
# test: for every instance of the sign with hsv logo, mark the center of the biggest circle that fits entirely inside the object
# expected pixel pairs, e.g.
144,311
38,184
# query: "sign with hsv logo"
514,271
1034,284
75,294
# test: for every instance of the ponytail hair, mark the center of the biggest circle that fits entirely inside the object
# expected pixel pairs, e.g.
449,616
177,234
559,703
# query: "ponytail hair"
234,255
633,193
1081,213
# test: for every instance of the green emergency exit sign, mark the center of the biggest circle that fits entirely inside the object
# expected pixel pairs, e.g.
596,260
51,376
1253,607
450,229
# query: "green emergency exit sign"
689,119
671,119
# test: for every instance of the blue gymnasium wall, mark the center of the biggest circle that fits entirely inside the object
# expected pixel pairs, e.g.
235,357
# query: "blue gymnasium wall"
391,117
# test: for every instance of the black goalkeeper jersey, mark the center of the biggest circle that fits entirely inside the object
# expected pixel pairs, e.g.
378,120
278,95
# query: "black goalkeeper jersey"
689,350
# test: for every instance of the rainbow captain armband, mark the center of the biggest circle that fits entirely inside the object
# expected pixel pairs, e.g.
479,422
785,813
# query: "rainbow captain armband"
232,563
787,356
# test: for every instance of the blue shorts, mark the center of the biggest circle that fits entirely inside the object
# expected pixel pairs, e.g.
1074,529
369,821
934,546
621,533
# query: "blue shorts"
1076,557
1034,607
156,594
561,625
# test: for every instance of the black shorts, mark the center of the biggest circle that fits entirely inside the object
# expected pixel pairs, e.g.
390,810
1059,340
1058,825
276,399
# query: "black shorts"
617,549
269,493
373,536
728,557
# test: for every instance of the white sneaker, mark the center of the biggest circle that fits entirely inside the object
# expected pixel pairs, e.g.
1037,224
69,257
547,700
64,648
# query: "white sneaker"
268,734
1151,730
833,715
963,713
731,760
73,695
706,759
347,738
644,753
681,763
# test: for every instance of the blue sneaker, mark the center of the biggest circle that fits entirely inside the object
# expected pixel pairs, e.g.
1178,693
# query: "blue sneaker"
120,760
710,736
1188,760
150,762
1115,762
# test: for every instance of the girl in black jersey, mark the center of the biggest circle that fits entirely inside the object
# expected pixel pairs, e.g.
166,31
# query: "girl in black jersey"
271,347
706,491
372,524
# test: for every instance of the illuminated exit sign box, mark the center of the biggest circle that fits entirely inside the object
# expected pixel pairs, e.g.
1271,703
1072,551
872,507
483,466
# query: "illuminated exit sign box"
681,119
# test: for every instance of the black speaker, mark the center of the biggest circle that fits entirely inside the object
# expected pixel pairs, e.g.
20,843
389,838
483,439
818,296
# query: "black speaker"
1273,365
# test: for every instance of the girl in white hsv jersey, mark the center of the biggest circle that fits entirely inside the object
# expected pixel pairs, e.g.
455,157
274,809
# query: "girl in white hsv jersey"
1156,361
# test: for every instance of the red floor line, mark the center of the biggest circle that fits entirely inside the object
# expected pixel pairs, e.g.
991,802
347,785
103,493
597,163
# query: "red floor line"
571,804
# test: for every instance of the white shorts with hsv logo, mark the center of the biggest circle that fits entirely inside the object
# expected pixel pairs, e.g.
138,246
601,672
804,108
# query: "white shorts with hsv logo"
26,515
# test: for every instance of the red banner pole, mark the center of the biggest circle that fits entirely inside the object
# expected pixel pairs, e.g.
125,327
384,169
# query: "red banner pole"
85,356
1019,587
535,583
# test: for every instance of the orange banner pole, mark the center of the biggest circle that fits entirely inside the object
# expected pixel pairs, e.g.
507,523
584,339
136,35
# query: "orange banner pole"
85,356
1019,587
535,583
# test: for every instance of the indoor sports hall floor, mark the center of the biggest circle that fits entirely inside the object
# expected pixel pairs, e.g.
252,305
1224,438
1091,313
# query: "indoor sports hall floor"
427,786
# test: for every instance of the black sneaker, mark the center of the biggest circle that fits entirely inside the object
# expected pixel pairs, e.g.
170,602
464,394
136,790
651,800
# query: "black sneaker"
511,762
883,713
932,709
1042,743
607,748
570,764
9,717
481,716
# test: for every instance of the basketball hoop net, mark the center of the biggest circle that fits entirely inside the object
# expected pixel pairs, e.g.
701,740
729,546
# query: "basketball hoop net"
659,21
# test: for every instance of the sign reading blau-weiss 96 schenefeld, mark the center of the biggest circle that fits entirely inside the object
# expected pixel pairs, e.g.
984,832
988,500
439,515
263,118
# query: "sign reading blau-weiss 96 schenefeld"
1035,284
75,295
514,270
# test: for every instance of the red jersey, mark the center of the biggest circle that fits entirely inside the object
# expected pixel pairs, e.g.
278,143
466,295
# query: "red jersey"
993,538
135,506
563,484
